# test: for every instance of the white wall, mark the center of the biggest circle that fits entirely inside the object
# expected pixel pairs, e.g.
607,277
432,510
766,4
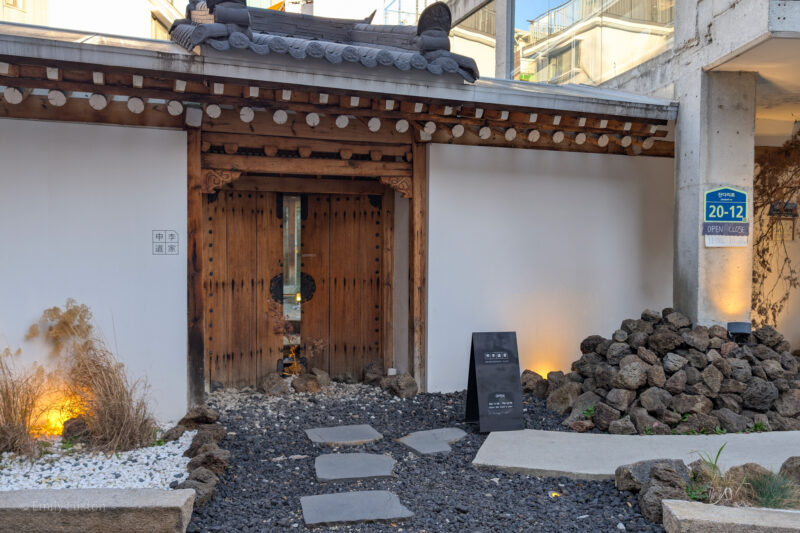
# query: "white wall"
555,246
77,212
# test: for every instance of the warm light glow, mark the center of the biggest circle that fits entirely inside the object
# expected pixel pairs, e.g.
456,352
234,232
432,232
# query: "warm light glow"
54,407
555,495
729,284
298,297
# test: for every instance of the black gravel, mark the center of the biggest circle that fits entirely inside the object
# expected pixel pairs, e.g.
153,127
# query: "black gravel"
446,493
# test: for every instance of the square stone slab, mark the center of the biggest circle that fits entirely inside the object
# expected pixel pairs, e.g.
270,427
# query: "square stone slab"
352,466
344,435
348,507
433,440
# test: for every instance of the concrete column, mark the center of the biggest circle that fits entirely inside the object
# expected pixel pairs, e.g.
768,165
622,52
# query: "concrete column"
715,136
504,38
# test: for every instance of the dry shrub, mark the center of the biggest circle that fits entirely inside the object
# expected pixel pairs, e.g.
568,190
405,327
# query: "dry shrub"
116,410
18,394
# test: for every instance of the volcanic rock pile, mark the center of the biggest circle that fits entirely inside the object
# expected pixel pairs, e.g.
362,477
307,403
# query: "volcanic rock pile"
661,375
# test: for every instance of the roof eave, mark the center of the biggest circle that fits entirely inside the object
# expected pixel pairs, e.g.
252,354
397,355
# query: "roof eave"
167,57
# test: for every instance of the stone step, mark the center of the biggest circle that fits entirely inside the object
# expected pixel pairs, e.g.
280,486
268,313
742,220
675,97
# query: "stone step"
344,435
96,510
353,466
432,441
351,507
688,517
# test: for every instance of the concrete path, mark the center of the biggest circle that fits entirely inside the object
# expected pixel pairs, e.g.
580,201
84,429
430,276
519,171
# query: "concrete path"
353,466
597,456
348,507
432,441
680,516
353,435
96,510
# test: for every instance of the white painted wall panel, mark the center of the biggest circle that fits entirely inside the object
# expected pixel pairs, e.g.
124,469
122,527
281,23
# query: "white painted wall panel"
77,212
555,246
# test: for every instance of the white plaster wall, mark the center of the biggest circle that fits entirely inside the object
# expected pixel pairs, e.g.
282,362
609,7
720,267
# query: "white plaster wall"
555,246
78,207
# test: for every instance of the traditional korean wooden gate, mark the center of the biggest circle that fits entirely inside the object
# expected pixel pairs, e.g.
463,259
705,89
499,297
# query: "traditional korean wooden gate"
243,251
343,250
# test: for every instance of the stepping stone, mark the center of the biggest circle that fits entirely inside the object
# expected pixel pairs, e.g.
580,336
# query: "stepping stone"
344,435
348,507
432,441
352,466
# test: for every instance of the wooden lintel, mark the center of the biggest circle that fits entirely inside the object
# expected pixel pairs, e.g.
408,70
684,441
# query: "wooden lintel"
295,143
310,166
306,185
401,184
213,179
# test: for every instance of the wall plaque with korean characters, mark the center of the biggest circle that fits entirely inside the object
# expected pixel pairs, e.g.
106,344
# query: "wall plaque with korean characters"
494,392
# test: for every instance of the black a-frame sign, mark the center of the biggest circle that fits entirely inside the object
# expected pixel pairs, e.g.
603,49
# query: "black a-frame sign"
494,392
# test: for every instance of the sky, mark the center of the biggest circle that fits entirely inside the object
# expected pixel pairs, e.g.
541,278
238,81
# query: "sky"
525,10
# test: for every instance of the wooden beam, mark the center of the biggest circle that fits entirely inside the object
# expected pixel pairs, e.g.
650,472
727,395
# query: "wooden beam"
313,167
194,253
78,110
214,179
418,268
357,131
306,185
294,143
387,285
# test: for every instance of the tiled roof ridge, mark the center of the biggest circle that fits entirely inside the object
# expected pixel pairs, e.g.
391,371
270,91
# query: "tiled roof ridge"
230,24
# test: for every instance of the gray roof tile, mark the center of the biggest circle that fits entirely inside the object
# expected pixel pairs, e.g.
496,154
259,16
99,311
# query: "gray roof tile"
424,47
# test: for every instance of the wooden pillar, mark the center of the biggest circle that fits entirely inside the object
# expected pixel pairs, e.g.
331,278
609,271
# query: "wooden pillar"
387,272
194,252
418,268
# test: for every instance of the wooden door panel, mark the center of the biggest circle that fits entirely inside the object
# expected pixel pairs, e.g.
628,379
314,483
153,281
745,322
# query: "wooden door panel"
315,243
269,244
215,283
356,252
241,274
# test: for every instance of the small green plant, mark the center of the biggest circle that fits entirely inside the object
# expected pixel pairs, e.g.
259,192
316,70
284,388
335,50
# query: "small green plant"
685,417
589,412
697,490
648,430
68,444
712,464
758,427
158,442
720,431
774,491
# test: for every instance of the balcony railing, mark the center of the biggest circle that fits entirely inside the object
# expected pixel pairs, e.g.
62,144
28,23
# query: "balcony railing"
570,13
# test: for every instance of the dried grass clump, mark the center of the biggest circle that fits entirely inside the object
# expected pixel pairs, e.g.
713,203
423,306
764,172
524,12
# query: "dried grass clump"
117,413
18,394
115,409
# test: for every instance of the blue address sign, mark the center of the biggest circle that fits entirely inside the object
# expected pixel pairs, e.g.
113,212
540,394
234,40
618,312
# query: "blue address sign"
725,205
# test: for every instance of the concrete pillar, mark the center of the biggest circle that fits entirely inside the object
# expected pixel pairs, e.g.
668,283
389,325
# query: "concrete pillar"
715,136
504,38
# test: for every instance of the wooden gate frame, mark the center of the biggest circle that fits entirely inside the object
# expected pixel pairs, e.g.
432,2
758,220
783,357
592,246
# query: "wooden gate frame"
414,187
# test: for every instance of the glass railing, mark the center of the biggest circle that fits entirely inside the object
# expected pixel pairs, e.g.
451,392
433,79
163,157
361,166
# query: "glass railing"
590,41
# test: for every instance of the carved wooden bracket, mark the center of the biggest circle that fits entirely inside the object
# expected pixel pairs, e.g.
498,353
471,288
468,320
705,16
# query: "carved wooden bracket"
401,184
213,179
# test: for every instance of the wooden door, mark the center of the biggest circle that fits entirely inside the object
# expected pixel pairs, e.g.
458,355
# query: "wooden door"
342,245
244,250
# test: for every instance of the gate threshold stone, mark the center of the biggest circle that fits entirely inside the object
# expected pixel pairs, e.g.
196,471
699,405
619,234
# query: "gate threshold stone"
682,517
344,435
96,510
433,440
575,455
353,466
350,507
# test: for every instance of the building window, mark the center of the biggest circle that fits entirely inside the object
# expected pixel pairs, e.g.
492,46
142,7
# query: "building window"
14,3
